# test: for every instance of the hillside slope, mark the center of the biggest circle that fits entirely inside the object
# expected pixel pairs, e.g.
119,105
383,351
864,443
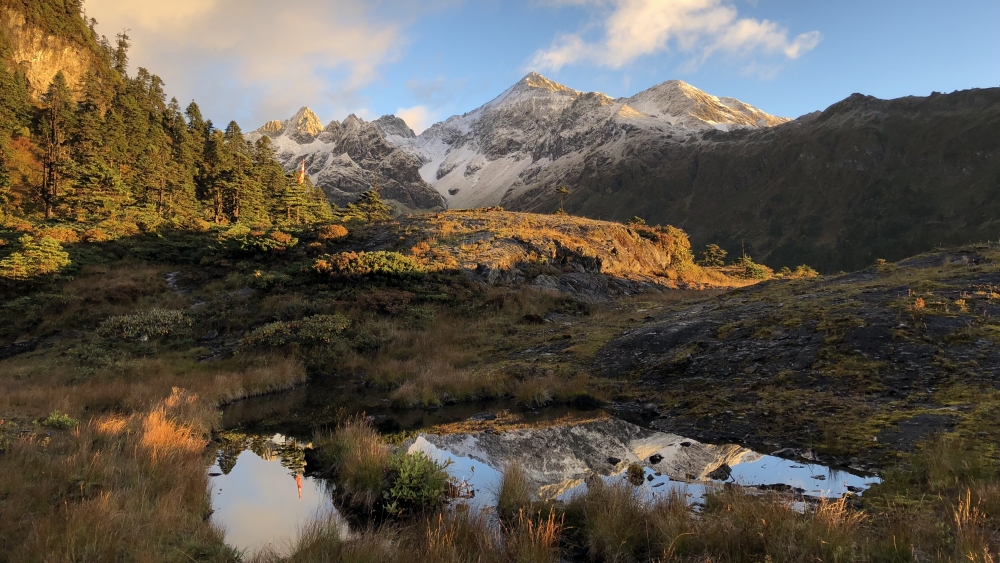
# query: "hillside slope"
865,179
575,255
861,364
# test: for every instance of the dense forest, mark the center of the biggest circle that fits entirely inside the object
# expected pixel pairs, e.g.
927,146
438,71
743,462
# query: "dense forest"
115,157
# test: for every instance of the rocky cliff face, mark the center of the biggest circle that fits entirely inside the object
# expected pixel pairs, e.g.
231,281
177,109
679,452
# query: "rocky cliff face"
344,158
42,55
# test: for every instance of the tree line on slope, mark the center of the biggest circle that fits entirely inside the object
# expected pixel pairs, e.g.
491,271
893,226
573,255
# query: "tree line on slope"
116,158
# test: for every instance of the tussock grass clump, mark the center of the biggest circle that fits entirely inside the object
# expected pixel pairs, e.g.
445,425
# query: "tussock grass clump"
371,475
327,539
127,486
358,459
515,492
610,520
749,528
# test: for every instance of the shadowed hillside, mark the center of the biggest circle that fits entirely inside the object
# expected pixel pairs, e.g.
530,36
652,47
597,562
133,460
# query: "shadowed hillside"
837,189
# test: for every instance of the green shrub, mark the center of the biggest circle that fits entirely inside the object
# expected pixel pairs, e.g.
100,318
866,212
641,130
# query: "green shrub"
752,270
713,256
361,264
145,325
799,272
60,421
266,281
240,240
36,258
418,482
357,458
310,331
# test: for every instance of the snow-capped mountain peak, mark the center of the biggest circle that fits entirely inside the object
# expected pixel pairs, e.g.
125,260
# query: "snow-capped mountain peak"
304,124
535,80
682,104
530,136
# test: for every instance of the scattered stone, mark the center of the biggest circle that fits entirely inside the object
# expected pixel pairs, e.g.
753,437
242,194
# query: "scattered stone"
685,444
17,348
614,460
819,477
655,459
211,335
483,417
533,319
721,473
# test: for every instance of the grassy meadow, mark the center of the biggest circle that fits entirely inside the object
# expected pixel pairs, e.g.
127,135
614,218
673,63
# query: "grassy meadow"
113,371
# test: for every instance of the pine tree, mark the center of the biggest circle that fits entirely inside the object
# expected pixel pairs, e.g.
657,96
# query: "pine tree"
295,199
214,175
36,258
57,121
372,207
119,58
182,166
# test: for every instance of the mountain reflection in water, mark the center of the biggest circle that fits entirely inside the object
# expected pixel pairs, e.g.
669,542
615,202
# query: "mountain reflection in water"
560,459
257,481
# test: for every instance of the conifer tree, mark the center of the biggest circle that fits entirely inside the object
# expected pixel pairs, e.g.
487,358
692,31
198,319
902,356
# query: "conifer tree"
57,121
36,258
119,58
372,207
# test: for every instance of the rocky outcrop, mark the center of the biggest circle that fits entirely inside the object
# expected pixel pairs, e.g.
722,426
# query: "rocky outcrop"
583,257
345,158
831,363
41,55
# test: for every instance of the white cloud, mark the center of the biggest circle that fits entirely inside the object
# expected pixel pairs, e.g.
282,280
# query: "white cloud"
255,59
696,28
417,117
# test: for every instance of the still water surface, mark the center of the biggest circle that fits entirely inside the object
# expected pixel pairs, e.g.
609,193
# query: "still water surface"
256,495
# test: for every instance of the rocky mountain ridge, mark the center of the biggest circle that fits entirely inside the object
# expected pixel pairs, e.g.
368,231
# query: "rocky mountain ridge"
504,148
345,158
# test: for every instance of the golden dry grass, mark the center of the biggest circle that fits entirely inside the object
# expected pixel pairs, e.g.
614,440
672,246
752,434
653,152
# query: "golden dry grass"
119,487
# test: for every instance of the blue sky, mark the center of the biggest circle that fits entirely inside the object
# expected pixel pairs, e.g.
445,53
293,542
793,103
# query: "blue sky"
254,60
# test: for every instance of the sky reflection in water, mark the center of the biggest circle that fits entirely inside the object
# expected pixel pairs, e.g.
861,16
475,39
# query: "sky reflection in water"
258,503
